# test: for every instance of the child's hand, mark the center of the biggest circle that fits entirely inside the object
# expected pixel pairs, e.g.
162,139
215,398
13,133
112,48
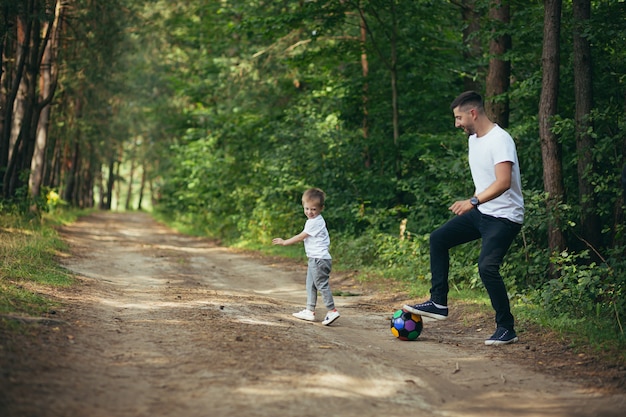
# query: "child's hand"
278,241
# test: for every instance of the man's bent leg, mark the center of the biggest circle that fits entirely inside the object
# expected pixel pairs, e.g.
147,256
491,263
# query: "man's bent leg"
458,230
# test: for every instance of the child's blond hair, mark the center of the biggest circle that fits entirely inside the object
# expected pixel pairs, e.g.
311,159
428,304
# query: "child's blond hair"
314,194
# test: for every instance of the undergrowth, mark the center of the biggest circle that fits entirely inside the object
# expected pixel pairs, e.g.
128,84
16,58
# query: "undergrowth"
28,246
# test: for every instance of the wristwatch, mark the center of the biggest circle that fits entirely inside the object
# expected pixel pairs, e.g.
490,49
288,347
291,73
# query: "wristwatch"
474,201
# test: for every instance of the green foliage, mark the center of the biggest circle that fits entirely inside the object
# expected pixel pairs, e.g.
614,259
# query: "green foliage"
28,248
593,289
527,261
585,301
275,104
233,108
426,187
293,121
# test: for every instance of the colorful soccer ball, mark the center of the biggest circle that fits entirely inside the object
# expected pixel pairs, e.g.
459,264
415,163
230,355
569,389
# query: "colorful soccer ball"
406,325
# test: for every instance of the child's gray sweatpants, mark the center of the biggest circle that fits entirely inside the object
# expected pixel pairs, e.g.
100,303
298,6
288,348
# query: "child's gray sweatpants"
317,279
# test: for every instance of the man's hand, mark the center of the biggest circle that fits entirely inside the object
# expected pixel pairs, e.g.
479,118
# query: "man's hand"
460,207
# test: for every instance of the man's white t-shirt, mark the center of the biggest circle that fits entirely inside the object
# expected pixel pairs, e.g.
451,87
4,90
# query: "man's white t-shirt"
317,243
484,153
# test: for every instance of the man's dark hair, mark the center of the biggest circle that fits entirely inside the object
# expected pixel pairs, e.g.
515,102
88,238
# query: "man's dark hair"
468,99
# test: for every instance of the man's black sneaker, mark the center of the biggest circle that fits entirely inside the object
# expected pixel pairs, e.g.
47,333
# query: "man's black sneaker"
428,309
502,336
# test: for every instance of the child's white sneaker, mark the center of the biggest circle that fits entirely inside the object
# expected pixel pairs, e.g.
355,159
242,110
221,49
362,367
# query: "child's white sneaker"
305,315
331,317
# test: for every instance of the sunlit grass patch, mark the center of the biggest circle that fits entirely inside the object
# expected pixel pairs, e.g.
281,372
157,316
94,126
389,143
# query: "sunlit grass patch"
29,255
27,252
15,298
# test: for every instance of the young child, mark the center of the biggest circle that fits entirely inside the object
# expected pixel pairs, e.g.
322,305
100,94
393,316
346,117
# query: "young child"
316,243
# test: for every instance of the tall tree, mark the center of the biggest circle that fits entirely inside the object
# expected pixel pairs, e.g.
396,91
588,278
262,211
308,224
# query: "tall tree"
8,18
583,92
367,158
387,42
497,103
25,112
471,41
17,44
47,86
550,147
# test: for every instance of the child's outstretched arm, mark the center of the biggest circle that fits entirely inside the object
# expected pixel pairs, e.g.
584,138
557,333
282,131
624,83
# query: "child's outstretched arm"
291,240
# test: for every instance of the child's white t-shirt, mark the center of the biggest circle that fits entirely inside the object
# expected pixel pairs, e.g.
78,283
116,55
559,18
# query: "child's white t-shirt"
317,243
484,153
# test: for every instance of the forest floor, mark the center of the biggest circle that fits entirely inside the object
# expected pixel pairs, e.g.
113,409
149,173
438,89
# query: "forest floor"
163,324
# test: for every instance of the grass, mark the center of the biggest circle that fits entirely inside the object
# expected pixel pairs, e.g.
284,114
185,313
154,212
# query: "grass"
600,334
28,246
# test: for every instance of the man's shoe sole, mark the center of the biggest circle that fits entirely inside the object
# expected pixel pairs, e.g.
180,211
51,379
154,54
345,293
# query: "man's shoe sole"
425,313
490,342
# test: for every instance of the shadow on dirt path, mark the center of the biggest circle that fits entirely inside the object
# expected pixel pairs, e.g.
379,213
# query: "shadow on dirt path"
170,325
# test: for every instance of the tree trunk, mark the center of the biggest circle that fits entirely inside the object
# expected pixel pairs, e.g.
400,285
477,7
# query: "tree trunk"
154,196
142,187
471,40
52,173
367,157
26,113
131,178
116,176
37,162
69,193
392,66
550,148
394,75
619,218
6,46
24,25
47,86
498,77
86,189
583,91
110,184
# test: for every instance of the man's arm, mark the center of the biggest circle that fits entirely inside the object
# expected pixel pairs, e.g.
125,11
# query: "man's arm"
502,183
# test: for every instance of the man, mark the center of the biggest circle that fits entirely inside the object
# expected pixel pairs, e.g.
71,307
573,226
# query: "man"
494,213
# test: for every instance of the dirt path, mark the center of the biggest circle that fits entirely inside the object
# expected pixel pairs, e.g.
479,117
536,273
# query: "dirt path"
170,325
